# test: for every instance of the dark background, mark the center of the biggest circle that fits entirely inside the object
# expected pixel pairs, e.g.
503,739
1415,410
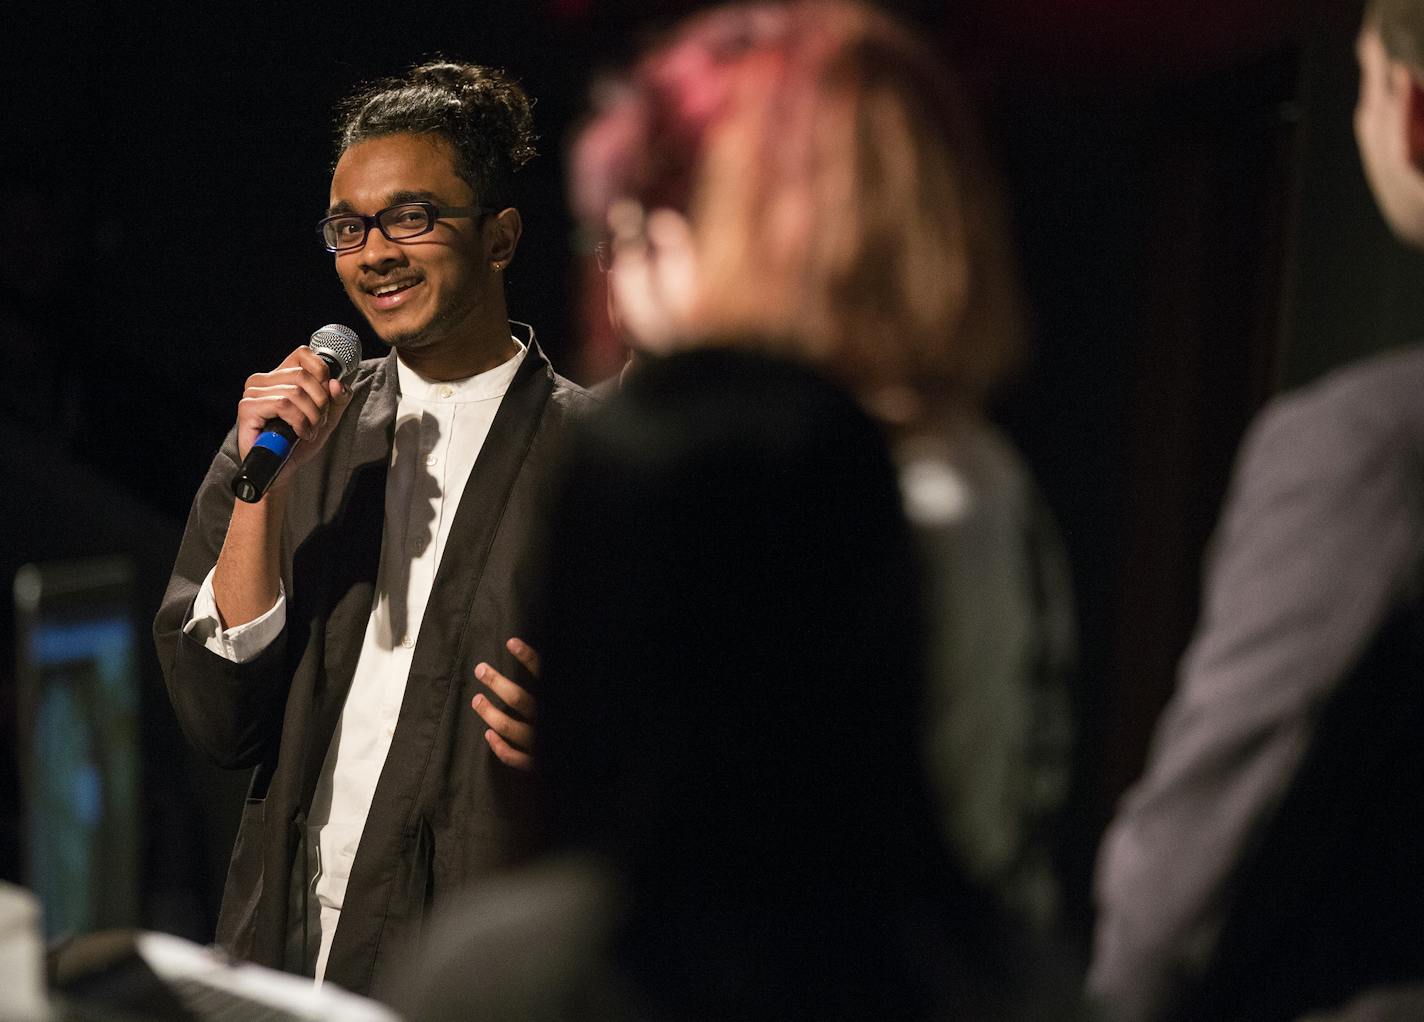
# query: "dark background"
1193,226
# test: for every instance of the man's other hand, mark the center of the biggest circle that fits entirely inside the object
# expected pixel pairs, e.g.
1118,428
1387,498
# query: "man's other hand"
510,735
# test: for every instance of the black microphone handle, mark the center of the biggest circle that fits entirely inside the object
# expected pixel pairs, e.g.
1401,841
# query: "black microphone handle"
270,452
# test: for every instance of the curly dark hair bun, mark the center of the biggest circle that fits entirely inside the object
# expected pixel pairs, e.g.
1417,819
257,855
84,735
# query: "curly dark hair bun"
483,113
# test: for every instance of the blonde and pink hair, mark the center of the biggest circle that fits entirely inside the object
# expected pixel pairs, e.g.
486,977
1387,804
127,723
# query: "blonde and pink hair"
842,207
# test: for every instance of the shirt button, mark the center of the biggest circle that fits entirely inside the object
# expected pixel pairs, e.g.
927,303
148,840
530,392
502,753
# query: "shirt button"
407,642
446,391
390,732
431,459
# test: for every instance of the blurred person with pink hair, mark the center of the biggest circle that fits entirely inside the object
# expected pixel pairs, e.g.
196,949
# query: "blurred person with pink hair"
808,180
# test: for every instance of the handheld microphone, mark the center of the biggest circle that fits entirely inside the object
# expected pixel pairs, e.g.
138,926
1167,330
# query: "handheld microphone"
340,349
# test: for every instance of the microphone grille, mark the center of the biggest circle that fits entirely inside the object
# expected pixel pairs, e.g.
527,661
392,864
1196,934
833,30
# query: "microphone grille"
339,342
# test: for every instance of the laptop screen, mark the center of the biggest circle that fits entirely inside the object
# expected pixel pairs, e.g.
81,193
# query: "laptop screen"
79,749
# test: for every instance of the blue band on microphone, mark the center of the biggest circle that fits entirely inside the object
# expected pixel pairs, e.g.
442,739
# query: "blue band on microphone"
274,442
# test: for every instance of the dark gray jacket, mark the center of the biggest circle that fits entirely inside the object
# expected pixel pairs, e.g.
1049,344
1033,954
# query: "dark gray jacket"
1267,863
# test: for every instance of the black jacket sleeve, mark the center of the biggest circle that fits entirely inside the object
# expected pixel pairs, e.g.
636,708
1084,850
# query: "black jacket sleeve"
230,712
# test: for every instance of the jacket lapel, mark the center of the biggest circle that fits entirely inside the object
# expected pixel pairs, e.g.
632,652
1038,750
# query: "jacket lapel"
349,553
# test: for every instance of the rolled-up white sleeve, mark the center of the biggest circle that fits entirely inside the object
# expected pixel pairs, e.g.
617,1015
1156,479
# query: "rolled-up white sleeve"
245,641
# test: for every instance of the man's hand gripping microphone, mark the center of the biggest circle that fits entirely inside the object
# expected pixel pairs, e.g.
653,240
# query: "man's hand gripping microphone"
340,349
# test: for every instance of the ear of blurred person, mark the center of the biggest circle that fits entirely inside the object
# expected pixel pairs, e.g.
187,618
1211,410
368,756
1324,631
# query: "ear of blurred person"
1389,130
653,279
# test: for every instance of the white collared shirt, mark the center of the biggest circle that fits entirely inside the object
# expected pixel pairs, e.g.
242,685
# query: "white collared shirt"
439,430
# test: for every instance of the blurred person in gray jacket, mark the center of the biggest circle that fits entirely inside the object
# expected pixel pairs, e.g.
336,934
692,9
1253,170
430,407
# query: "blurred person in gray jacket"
1267,863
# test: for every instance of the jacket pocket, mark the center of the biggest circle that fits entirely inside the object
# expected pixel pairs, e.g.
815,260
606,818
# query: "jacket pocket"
405,924
420,885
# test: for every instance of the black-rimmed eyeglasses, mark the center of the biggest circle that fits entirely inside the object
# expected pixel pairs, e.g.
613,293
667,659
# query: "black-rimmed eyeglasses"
401,222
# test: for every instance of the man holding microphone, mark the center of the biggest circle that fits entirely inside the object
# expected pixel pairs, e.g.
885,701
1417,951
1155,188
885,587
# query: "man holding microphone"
354,636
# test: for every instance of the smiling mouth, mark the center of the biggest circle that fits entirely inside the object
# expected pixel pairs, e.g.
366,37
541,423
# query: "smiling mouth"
384,290
384,296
